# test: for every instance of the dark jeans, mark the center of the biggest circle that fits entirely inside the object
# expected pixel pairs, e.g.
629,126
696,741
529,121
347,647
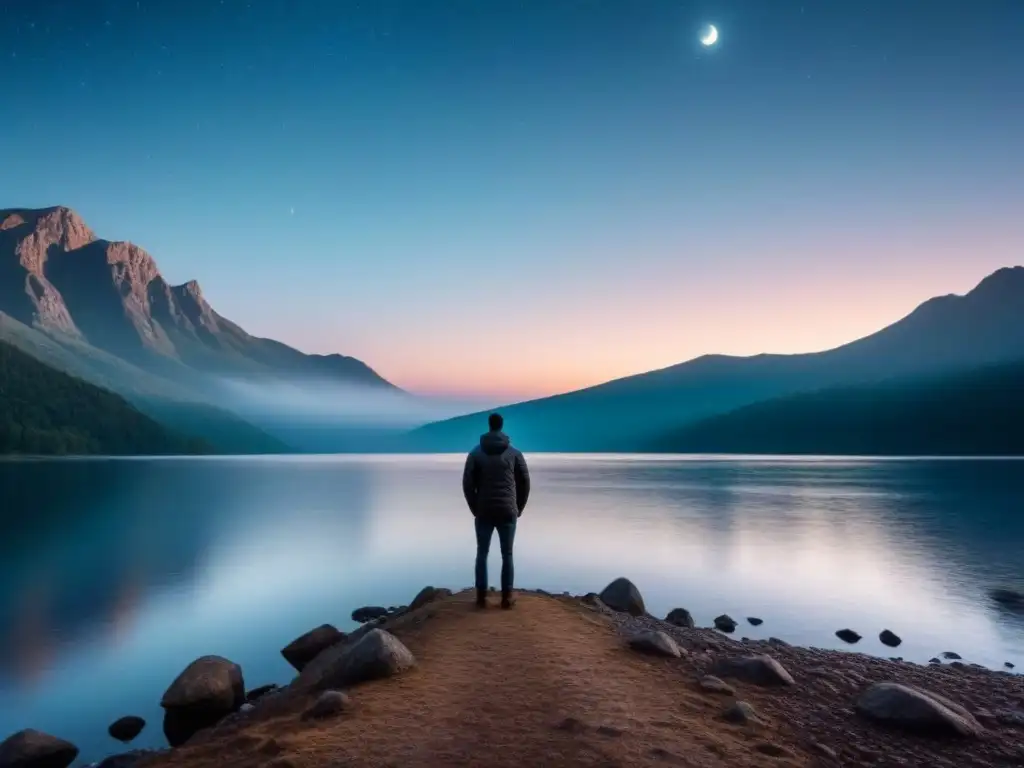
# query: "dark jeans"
506,535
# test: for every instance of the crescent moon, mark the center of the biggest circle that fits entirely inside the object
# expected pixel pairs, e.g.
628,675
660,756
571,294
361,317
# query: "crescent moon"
711,36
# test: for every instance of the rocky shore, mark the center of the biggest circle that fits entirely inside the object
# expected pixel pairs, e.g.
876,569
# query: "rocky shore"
567,680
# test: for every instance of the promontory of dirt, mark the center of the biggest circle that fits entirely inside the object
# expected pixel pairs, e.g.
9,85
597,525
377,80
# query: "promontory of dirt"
555,682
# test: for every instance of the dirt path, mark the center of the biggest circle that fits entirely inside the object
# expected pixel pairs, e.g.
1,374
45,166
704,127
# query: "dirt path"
546,684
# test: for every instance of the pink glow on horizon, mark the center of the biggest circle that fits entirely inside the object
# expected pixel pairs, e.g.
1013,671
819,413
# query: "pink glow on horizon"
784,304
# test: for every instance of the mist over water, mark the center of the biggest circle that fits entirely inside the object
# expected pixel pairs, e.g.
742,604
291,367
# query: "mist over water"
115,574
343,404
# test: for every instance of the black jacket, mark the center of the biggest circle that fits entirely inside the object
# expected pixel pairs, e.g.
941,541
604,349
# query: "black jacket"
496,482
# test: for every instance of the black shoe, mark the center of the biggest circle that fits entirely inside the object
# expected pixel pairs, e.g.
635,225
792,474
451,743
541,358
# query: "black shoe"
481,599
508,599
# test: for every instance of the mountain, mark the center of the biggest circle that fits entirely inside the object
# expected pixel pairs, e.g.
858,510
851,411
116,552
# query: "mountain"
977,412
56,275
942,334
45,411
101,310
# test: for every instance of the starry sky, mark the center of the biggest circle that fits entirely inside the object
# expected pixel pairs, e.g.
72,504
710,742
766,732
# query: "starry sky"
510,198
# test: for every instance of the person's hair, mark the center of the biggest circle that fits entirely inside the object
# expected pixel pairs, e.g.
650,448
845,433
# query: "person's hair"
495,422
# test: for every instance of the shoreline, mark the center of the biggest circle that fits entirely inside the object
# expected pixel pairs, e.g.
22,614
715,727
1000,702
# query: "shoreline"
993,699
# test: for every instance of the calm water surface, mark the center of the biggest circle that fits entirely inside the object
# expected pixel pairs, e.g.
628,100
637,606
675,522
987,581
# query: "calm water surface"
114,574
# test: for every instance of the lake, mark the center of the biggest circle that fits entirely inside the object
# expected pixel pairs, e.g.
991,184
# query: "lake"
115,574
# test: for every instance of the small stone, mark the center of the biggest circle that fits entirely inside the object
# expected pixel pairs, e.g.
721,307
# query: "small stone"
126,728
428,595
1010,717
247,708
571,724
740,712
934,660
951,655
623,596
824,750
1008,665
1008,598
759,670
890,638
769,748
270,747
655,643
848,636
369,613
778,642
328,704
258,693
680,617
607,730
725,623
754,621
126,759
35,749
712,684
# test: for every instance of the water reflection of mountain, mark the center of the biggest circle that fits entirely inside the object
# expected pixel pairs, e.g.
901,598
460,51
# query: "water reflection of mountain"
86,542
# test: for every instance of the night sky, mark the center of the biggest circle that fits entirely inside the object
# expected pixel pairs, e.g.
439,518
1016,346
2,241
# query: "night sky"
513,198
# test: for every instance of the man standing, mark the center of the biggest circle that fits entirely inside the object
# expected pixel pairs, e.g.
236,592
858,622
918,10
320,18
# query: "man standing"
496,484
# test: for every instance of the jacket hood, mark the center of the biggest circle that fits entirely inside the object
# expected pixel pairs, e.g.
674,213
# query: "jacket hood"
493,443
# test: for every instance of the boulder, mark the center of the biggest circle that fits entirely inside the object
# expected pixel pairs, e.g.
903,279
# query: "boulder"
377,654
428,595
328,704
680,617
302,650
725,623
890,638
754,621
951,655
848,636
655,643
369,613
916,710
623,596
209,689
126,728
741,713
759,670
35,749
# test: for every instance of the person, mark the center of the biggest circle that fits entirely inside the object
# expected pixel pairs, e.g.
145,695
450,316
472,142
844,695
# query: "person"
496,484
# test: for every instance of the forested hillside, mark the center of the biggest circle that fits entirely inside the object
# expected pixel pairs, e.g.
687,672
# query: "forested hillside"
46,411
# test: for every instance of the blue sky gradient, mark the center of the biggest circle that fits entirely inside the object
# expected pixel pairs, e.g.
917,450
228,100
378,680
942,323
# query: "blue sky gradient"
512,198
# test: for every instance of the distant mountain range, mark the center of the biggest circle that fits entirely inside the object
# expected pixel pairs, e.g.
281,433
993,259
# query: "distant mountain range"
640,413
973,412
101,310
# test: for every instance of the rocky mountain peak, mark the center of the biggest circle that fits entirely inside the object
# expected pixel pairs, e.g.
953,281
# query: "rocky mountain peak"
189,290
38,231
